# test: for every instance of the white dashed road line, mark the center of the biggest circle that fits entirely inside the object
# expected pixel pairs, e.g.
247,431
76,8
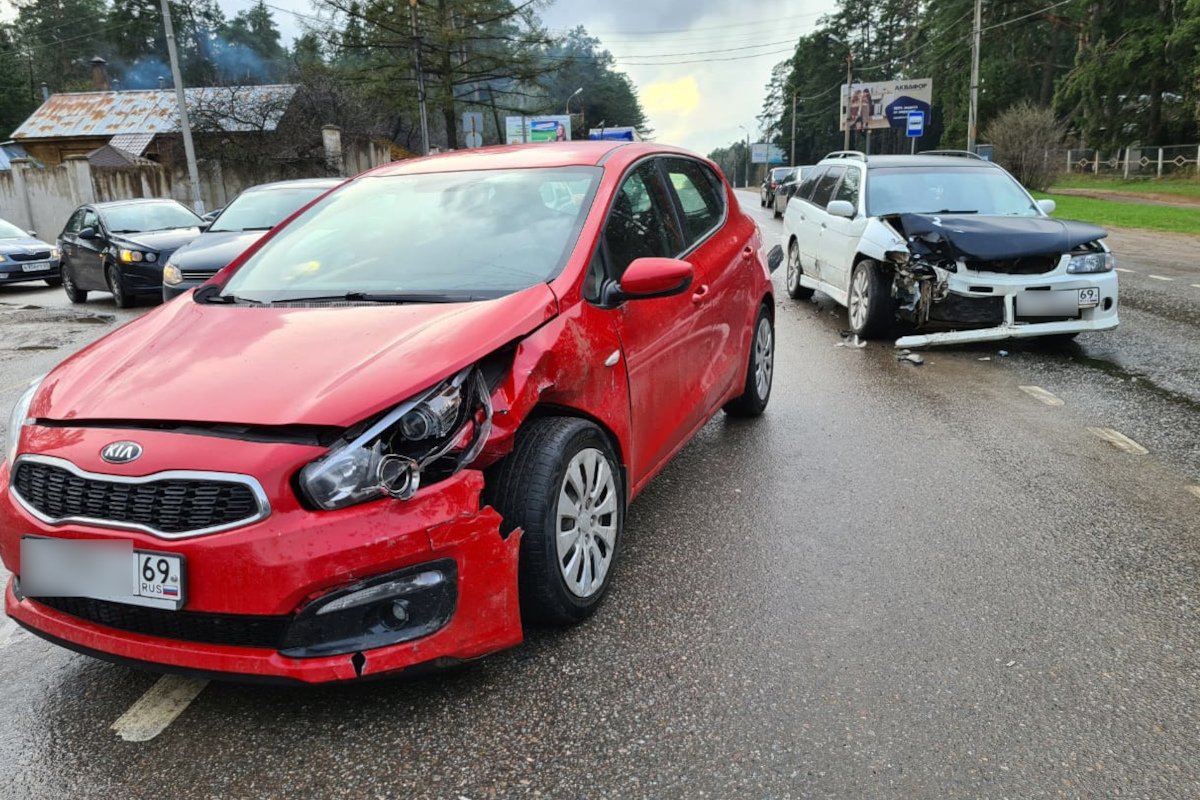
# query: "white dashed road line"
1159,278
1038,393
1119,441
157,708
1196,285
1129,271
1194,490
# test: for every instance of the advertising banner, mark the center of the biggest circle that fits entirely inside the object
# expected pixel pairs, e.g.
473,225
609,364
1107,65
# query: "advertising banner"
766,154
884,104
550,128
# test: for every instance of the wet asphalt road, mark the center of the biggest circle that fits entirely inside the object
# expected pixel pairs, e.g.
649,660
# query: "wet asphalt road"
909,582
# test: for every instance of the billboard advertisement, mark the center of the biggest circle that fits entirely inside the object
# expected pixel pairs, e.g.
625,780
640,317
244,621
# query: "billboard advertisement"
548,128
884,104
766,154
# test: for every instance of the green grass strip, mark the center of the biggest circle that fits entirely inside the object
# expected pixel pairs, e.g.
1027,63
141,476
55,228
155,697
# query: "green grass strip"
1180,187
1126,215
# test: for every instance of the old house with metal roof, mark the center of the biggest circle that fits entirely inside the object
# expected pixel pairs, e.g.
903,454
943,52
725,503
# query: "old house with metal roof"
134,122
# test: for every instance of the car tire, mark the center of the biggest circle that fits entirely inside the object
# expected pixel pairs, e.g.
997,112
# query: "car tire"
795,289
762,200
115,285
561,469
760,370
74,293
870,307
775,208
54,283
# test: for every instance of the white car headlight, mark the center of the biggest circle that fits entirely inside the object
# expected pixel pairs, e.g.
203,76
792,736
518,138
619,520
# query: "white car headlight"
17,420
171,275
433,435
1092,262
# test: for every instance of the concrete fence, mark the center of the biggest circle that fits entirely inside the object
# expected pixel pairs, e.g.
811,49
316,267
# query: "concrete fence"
1134,161
43,199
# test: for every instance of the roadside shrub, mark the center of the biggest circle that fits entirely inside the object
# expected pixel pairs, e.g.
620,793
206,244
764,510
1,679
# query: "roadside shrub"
1023,137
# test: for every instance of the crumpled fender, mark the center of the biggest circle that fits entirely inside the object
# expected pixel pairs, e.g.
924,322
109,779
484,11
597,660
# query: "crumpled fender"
881,242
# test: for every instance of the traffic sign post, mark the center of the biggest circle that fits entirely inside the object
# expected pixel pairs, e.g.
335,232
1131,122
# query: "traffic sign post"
473,128
916,127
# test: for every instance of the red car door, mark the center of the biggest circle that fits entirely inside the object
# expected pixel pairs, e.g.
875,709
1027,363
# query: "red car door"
722,247
658,337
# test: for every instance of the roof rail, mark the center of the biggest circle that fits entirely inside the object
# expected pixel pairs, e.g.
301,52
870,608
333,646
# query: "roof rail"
958,153
861,156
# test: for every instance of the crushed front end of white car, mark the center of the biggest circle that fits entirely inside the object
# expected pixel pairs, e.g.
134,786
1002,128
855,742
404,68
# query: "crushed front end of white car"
971,278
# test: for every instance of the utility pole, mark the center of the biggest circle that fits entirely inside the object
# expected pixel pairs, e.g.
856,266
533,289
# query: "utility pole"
746,181
567,109
185,126
793,161
412,8
849,75
974,111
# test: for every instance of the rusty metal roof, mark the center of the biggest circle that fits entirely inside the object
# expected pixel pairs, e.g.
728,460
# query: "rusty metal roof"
224,108
135,143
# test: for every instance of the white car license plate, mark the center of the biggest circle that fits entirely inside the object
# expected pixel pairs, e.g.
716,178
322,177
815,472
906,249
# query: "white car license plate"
1089,297
104,570
37,266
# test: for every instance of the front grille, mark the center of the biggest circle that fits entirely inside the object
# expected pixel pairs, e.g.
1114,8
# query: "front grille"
40,255
168,506
235,630
979,311
197,275
1030,265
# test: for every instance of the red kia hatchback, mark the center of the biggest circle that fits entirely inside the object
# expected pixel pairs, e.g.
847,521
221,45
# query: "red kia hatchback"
407,419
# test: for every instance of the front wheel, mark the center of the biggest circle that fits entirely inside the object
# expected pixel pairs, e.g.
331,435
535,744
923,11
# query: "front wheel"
871,308
794,288
562,486
74,293
117,287
760,371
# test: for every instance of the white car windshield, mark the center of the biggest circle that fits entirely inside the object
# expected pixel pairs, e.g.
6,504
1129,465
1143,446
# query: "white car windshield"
143,217
468,235
946,190
263,209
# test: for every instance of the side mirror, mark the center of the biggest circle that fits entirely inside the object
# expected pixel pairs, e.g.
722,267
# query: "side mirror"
648,278
841,208
1047,206
32,233
774,258
87,233
205,225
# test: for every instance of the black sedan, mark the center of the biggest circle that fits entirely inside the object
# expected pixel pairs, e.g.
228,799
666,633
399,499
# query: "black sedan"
239,225
24,257
121,247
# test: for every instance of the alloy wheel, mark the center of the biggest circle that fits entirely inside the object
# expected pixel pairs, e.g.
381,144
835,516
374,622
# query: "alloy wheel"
764,358
793,269
859,299
586,533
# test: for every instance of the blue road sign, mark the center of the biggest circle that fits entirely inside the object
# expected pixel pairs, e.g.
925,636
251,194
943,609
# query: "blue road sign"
916,123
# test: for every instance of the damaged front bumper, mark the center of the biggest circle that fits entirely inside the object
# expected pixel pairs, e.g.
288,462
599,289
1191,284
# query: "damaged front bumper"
299,596
1008,299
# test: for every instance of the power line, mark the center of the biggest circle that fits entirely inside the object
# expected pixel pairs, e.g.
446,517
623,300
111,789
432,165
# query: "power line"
774,22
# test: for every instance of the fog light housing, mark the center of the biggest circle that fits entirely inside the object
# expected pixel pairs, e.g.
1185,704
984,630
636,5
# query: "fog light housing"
382,611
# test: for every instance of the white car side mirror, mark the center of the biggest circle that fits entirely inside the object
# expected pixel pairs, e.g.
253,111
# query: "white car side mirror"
1047,206
841,208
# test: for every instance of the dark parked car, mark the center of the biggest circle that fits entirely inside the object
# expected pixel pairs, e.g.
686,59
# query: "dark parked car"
239,225
120,247
787,188
24,257
766,192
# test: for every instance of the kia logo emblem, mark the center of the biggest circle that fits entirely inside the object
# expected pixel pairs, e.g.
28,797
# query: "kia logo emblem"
121,452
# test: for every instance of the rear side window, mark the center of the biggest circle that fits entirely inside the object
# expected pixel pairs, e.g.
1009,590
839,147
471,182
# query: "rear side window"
809,183
700,199
640,224
825,185
848,189
75,223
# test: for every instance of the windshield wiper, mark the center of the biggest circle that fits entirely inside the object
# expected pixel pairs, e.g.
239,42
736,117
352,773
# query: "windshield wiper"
952,211
386,297
211,295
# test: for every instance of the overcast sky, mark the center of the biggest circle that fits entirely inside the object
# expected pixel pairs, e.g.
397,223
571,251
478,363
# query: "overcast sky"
698,104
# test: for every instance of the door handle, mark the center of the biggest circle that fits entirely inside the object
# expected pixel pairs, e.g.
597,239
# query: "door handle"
700,293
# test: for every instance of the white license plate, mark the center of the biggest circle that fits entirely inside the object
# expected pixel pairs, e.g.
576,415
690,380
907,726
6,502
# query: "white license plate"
37,266
1089,297
105,570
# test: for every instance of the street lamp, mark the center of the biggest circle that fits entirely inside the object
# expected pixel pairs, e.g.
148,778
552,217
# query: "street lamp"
849,65
567,108
746,181
793,160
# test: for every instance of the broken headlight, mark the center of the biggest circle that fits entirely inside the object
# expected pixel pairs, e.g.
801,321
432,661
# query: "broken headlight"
425,439
1099,261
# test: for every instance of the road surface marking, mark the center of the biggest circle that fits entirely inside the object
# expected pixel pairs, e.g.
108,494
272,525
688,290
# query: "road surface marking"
1194,490
1196,285
1159,278
1130,271
157,708
1039,393
1119,441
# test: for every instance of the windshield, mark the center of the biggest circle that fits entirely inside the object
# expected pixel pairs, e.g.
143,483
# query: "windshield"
483,234
262,209
780,174
142,217
944,190
10,231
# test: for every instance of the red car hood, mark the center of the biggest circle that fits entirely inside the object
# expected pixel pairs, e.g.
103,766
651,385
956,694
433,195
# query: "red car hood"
279,366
